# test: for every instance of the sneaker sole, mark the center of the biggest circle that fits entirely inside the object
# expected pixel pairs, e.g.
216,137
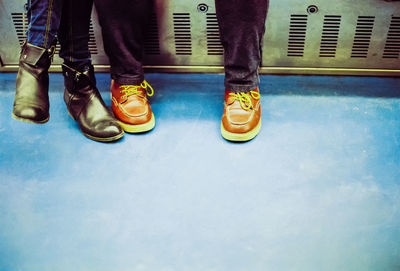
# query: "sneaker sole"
140,128
29,120
240,137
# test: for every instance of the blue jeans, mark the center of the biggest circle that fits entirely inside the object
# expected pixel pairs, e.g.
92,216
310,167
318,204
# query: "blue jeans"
65,20
242,27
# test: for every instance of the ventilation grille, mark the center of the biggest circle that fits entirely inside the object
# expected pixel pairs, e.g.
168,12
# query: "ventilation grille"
297,35
392,46
20,21
92,40
362,38
330,35
151,40
214,46
183,37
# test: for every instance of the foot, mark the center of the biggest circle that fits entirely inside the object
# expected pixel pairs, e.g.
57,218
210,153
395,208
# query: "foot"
131,107
31,101
241,120
85,105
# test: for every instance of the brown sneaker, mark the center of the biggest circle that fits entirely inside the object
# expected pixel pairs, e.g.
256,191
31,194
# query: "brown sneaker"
131,107
241,120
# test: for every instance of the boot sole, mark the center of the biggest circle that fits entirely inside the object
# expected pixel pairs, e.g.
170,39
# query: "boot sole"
105,139
140,128
240,137
29,120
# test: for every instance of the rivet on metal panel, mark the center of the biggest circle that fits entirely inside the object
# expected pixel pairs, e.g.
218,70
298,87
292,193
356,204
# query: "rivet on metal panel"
312,9
203,8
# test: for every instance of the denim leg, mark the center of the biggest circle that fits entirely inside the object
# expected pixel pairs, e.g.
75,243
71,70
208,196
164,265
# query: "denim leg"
73,33
44,20
242,27
123,23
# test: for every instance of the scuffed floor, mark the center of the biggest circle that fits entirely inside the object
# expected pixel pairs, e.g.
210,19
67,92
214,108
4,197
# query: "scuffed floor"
317,189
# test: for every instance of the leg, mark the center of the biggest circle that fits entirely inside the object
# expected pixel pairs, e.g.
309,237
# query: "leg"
242,27
44,20
123,24
31,102
73,33
83,100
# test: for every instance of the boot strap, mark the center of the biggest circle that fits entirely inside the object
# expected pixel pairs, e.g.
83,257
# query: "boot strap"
77,76
32,54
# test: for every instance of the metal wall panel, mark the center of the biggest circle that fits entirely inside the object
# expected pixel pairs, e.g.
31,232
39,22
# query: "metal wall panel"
338,34
188,34
357,34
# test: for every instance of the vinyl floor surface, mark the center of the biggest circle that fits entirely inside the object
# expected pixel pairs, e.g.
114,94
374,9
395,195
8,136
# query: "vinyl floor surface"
317,189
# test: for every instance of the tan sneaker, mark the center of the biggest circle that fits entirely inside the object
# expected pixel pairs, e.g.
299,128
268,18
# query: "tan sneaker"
241,120
131,107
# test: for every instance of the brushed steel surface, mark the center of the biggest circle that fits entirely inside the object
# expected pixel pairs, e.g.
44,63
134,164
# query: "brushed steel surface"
336,27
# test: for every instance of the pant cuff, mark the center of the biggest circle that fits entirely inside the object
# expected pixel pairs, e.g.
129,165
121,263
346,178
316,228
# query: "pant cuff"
128,79
78,64
240,88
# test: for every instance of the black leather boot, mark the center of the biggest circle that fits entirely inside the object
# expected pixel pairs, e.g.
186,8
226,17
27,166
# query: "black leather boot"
31,102
86,106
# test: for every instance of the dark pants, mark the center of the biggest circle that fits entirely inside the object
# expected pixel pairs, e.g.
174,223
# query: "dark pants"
123,23
67,20
242,27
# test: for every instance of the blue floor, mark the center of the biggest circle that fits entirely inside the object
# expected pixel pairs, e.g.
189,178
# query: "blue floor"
317,190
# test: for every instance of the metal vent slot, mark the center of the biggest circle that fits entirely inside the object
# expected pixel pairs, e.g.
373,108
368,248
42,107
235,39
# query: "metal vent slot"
392,45
183,36
92,40
362,38
20,21
330,36
297,35
214,46
151,40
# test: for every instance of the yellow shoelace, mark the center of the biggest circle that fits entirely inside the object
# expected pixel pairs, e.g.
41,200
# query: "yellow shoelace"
128,90
245,99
